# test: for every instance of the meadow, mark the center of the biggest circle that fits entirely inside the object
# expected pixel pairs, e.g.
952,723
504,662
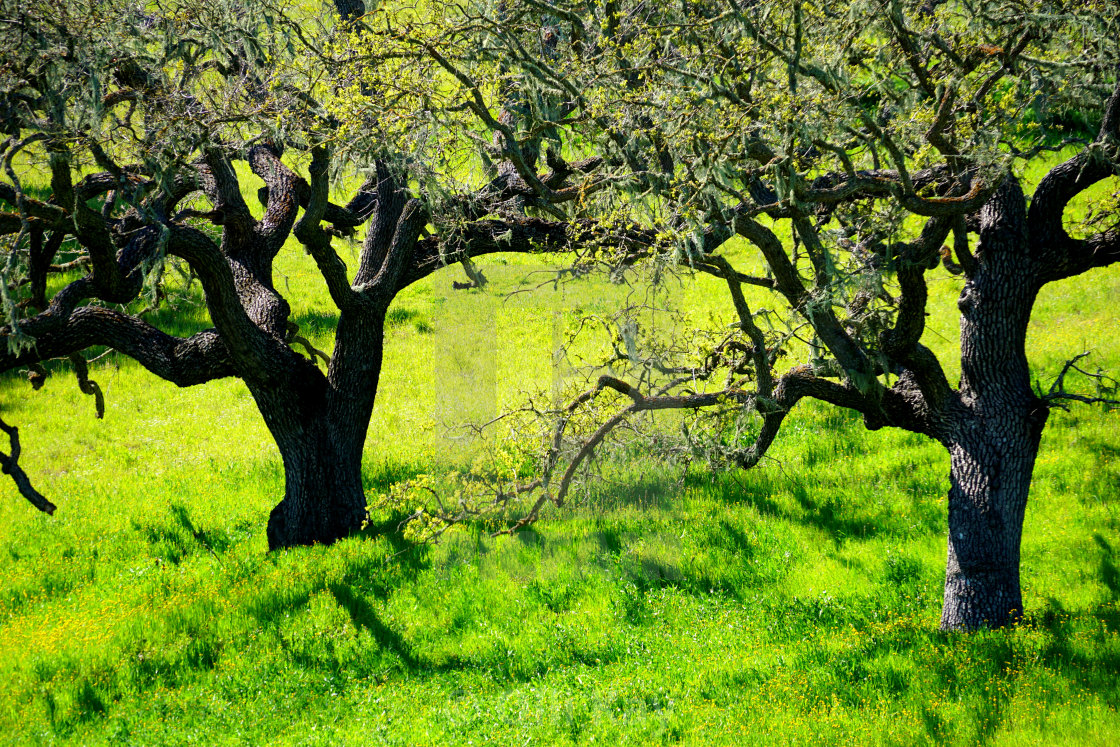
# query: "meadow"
794,603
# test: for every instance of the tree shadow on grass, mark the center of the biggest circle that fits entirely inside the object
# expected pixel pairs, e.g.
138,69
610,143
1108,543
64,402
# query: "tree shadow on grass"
1077,648
978,673
1104,448
643,491
367,582
1110,574
820,513
314,323
364,616
364,580
180,539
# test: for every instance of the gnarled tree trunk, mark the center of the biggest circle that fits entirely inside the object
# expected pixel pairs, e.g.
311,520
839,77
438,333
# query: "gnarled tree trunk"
320,425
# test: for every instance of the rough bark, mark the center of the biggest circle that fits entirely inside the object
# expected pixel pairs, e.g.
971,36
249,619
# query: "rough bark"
990,478
995,431
323,497
320,428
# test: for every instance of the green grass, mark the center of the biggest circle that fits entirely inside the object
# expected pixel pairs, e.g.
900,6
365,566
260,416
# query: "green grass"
796,603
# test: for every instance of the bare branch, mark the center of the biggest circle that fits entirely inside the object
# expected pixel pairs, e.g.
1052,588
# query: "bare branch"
9,463
1107,387
1060,255
283,195
86,384
316,240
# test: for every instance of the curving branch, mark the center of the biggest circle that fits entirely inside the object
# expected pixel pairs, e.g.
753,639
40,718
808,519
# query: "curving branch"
392,196
222,188
1106,385
343,218
34,208
317,241
282,196
188,361
9,464
525,236
250,347
312,351
93,231
640,403
86,384
1058,254
383,287
818,312
759,355
796,384
901,342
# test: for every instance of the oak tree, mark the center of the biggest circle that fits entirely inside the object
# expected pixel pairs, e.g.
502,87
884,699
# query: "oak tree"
854,148
147,123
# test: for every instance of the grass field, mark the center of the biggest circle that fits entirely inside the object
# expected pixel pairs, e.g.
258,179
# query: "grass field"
794,603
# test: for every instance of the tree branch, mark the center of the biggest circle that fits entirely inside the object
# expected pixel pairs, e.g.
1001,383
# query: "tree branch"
188,361
383,287
391,200
248,345
523,235
283,198
1105,384
900,342
1058,254
9,464
225,194
317,241
88,385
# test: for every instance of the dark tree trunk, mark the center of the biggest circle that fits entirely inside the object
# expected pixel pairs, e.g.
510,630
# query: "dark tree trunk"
323,497
990,478
994,434
320,425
